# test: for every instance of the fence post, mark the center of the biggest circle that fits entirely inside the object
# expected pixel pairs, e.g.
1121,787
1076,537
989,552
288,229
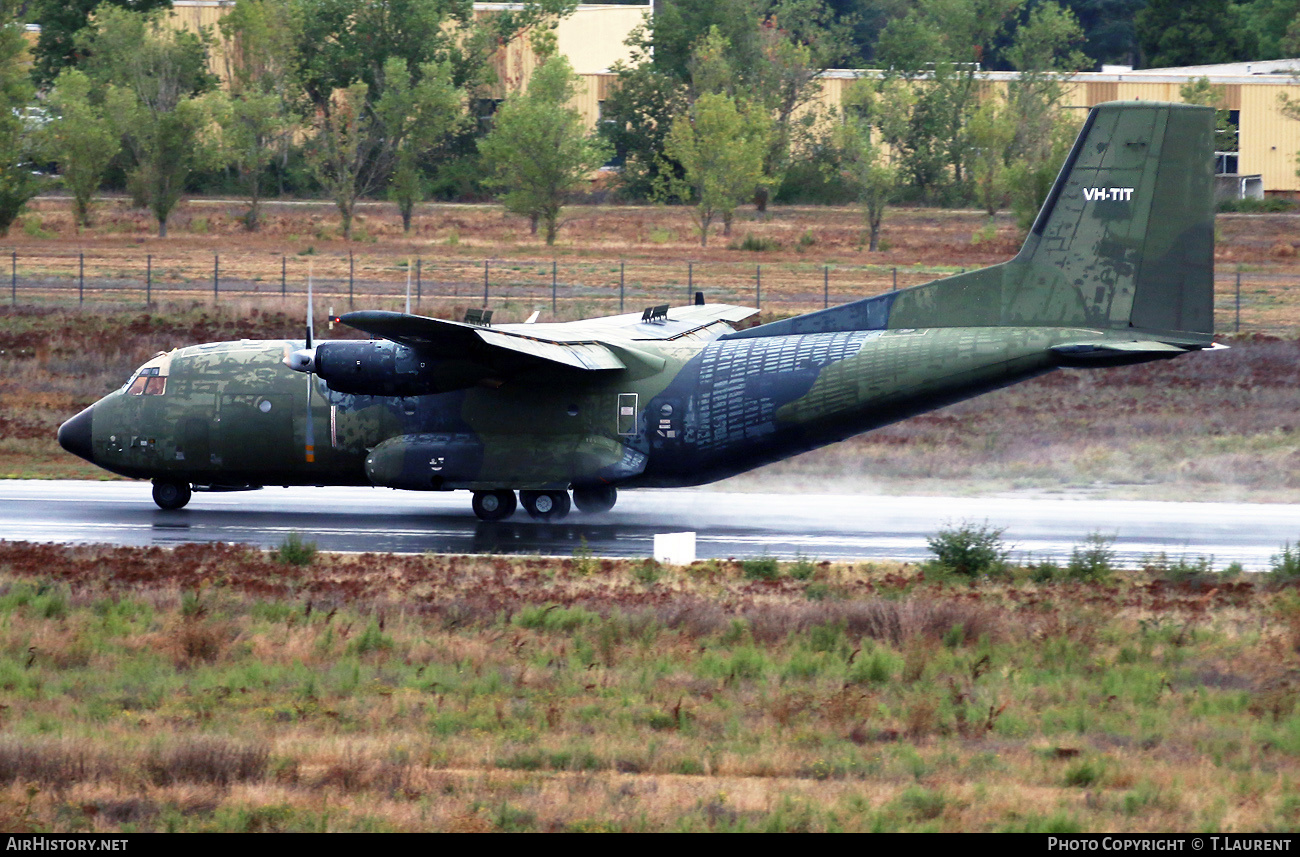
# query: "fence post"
895,279
690,281
1238,325
13,280
826,286
216,277
351,273
418,289
284,265
81,278
148,280
758,286
621,263
485,282
552,287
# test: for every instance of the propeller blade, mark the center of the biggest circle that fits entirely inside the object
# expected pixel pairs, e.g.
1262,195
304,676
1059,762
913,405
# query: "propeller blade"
310,440
309,306
307,358
408,286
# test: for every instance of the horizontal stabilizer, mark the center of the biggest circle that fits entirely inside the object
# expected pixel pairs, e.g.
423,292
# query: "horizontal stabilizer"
1116,353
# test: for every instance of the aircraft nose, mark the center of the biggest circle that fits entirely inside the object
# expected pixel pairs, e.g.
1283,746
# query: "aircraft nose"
74,435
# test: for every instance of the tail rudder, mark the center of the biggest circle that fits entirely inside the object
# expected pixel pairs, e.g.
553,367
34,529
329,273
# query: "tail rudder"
1124,241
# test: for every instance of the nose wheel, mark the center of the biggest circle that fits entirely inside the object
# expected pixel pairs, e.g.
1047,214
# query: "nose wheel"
545,505
170,494
494,505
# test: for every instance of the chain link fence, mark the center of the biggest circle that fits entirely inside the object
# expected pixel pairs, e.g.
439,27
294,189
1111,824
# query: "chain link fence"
513,288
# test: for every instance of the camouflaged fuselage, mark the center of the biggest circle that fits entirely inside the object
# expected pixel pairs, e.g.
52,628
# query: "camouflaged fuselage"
232,414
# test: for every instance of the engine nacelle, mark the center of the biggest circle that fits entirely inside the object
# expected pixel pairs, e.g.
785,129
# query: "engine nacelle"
384,368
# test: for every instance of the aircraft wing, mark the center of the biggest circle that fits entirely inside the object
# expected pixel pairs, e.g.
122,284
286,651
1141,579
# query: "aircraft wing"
438,337
591,344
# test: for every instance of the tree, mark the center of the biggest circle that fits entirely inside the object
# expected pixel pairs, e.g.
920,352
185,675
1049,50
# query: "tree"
1110,35
80,138
938,49
874,112
347,56
253,127
992,131
720,143
17,184
344,154
154,77
265,109
538,151
418,117
1190,32
61,21
1201,91
1044,54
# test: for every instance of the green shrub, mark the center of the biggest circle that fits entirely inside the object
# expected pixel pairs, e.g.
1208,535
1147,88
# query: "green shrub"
763,568
801,569
648,572
1180,570
1092,560
1285,566
968,551
1267,205
1046,571
755,244
294,551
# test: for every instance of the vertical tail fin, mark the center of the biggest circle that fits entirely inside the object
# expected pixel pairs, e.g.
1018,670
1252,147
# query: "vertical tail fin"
1124,241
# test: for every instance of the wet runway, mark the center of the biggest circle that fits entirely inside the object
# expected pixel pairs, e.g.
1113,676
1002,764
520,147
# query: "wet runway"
856,527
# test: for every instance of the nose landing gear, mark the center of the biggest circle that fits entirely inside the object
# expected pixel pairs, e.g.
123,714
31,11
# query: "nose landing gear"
170,494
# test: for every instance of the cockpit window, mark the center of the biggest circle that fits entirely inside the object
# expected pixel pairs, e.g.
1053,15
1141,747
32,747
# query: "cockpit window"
150,382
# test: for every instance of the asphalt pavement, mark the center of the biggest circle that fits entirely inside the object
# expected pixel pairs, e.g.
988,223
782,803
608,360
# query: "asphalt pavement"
816,526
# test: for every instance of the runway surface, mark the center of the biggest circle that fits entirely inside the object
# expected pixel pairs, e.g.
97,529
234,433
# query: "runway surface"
856,527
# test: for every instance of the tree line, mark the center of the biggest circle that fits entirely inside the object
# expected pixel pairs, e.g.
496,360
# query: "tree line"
719,106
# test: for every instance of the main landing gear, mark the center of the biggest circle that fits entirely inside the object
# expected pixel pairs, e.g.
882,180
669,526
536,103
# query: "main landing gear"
170,494
543,505
494,505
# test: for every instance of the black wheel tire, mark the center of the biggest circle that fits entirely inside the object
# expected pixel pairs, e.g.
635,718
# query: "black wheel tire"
594,499
545,505
171,495
494,505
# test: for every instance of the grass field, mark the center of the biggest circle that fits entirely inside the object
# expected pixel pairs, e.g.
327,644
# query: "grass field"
220,688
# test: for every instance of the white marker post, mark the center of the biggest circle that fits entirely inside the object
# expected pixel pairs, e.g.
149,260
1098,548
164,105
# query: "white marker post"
675,548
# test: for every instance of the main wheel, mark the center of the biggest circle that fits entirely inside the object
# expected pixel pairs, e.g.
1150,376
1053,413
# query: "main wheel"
595,499
170,494
494,505
545,505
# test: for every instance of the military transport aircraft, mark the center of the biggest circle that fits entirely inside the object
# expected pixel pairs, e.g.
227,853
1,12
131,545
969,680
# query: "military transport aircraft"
1117,269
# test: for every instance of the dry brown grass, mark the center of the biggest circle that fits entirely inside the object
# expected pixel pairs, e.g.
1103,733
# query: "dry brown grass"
527,694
